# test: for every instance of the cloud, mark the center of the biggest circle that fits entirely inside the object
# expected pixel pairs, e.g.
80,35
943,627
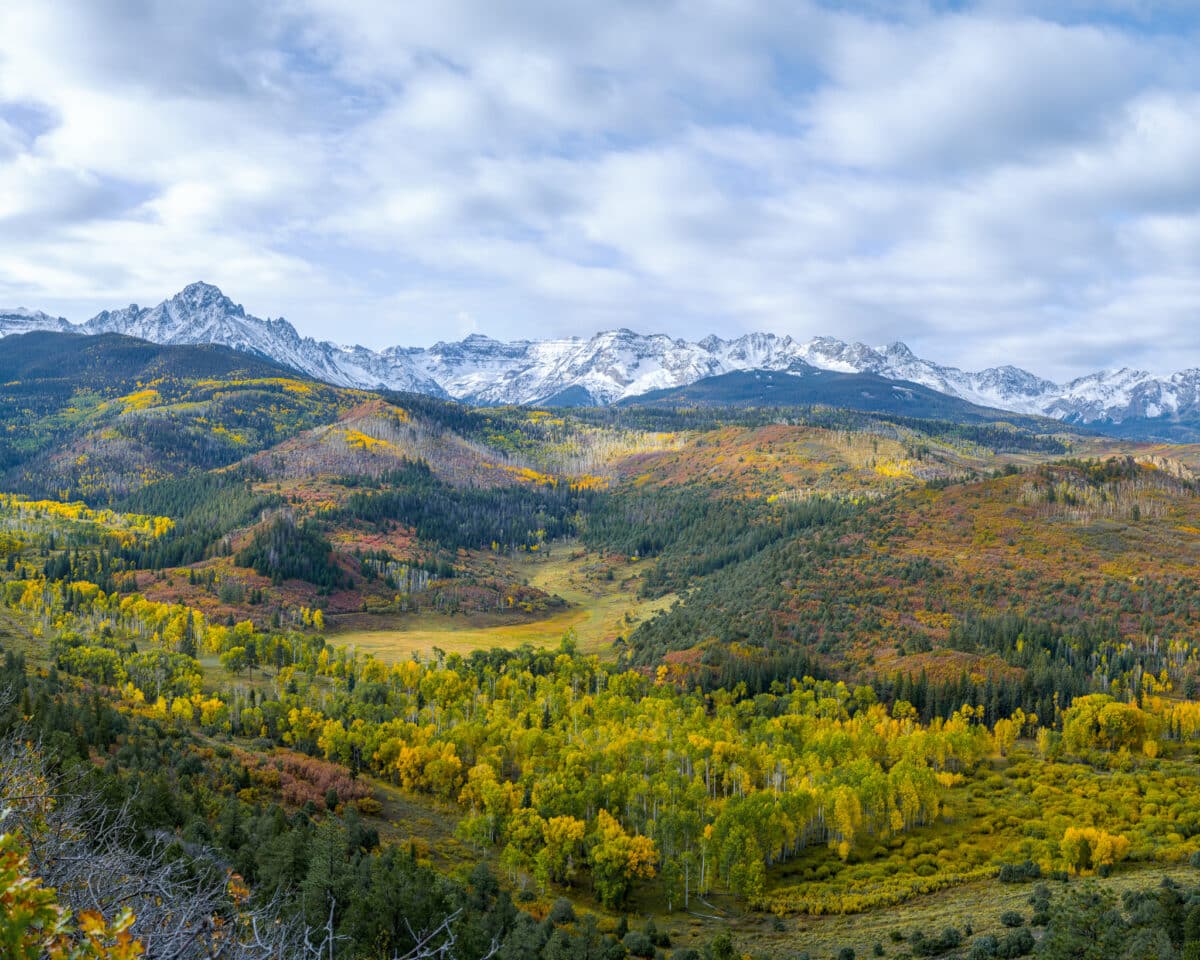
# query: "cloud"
961,92
993,183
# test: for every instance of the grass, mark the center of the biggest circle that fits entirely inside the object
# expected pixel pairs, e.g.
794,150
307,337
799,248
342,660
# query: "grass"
15,635
598,611
216,677
978,904
427,826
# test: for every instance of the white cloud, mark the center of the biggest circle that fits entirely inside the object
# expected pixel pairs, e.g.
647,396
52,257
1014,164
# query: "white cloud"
961,91
990,184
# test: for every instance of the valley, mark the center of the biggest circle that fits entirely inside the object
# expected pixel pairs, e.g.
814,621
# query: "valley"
809,677
598,612
599,481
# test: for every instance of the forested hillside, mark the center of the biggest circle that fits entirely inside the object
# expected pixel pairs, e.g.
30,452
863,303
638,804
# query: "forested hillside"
97,418
390,676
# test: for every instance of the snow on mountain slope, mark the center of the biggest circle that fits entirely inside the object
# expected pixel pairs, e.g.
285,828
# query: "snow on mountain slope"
616,364
201,313
19,320
1125,394
609,366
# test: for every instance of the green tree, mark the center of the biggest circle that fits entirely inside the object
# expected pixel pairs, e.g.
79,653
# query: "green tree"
1085,925
234,660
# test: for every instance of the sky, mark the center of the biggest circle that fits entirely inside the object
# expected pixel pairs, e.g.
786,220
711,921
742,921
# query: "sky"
989,182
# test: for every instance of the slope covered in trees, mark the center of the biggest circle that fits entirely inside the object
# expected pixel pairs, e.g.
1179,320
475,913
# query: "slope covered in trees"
894,657
1068,578
99,417
569,769
856,391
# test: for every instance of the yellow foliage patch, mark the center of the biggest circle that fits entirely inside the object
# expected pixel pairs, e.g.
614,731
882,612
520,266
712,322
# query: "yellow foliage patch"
589,482
897,469
943,621
140,400
237,438
364,441
528,474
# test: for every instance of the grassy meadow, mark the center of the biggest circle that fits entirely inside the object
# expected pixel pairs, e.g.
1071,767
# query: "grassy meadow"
598,611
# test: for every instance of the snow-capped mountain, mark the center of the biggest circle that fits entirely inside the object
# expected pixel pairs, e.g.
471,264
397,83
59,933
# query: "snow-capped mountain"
201,313
609,366
1006,388
1124,394
616,364
20,320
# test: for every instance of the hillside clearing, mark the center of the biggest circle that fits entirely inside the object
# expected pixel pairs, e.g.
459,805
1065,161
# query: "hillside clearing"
598,611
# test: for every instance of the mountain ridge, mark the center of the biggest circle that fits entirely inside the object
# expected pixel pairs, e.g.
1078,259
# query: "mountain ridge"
620,364
864,392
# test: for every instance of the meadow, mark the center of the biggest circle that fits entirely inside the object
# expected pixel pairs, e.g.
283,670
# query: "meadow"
598,612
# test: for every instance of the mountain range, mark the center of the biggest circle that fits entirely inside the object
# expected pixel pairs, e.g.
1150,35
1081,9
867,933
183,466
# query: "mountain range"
621,364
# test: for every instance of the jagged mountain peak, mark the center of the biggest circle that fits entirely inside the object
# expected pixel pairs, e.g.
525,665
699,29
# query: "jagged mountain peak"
899,350
1113,375
202,313
204,296
614,364
200,290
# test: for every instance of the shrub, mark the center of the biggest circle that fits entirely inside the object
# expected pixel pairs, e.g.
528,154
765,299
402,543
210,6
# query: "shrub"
720,947
984,948
1020,872
660,938
562,912
638,944
1019,943
1011,918
925,946
1040,901
304,780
